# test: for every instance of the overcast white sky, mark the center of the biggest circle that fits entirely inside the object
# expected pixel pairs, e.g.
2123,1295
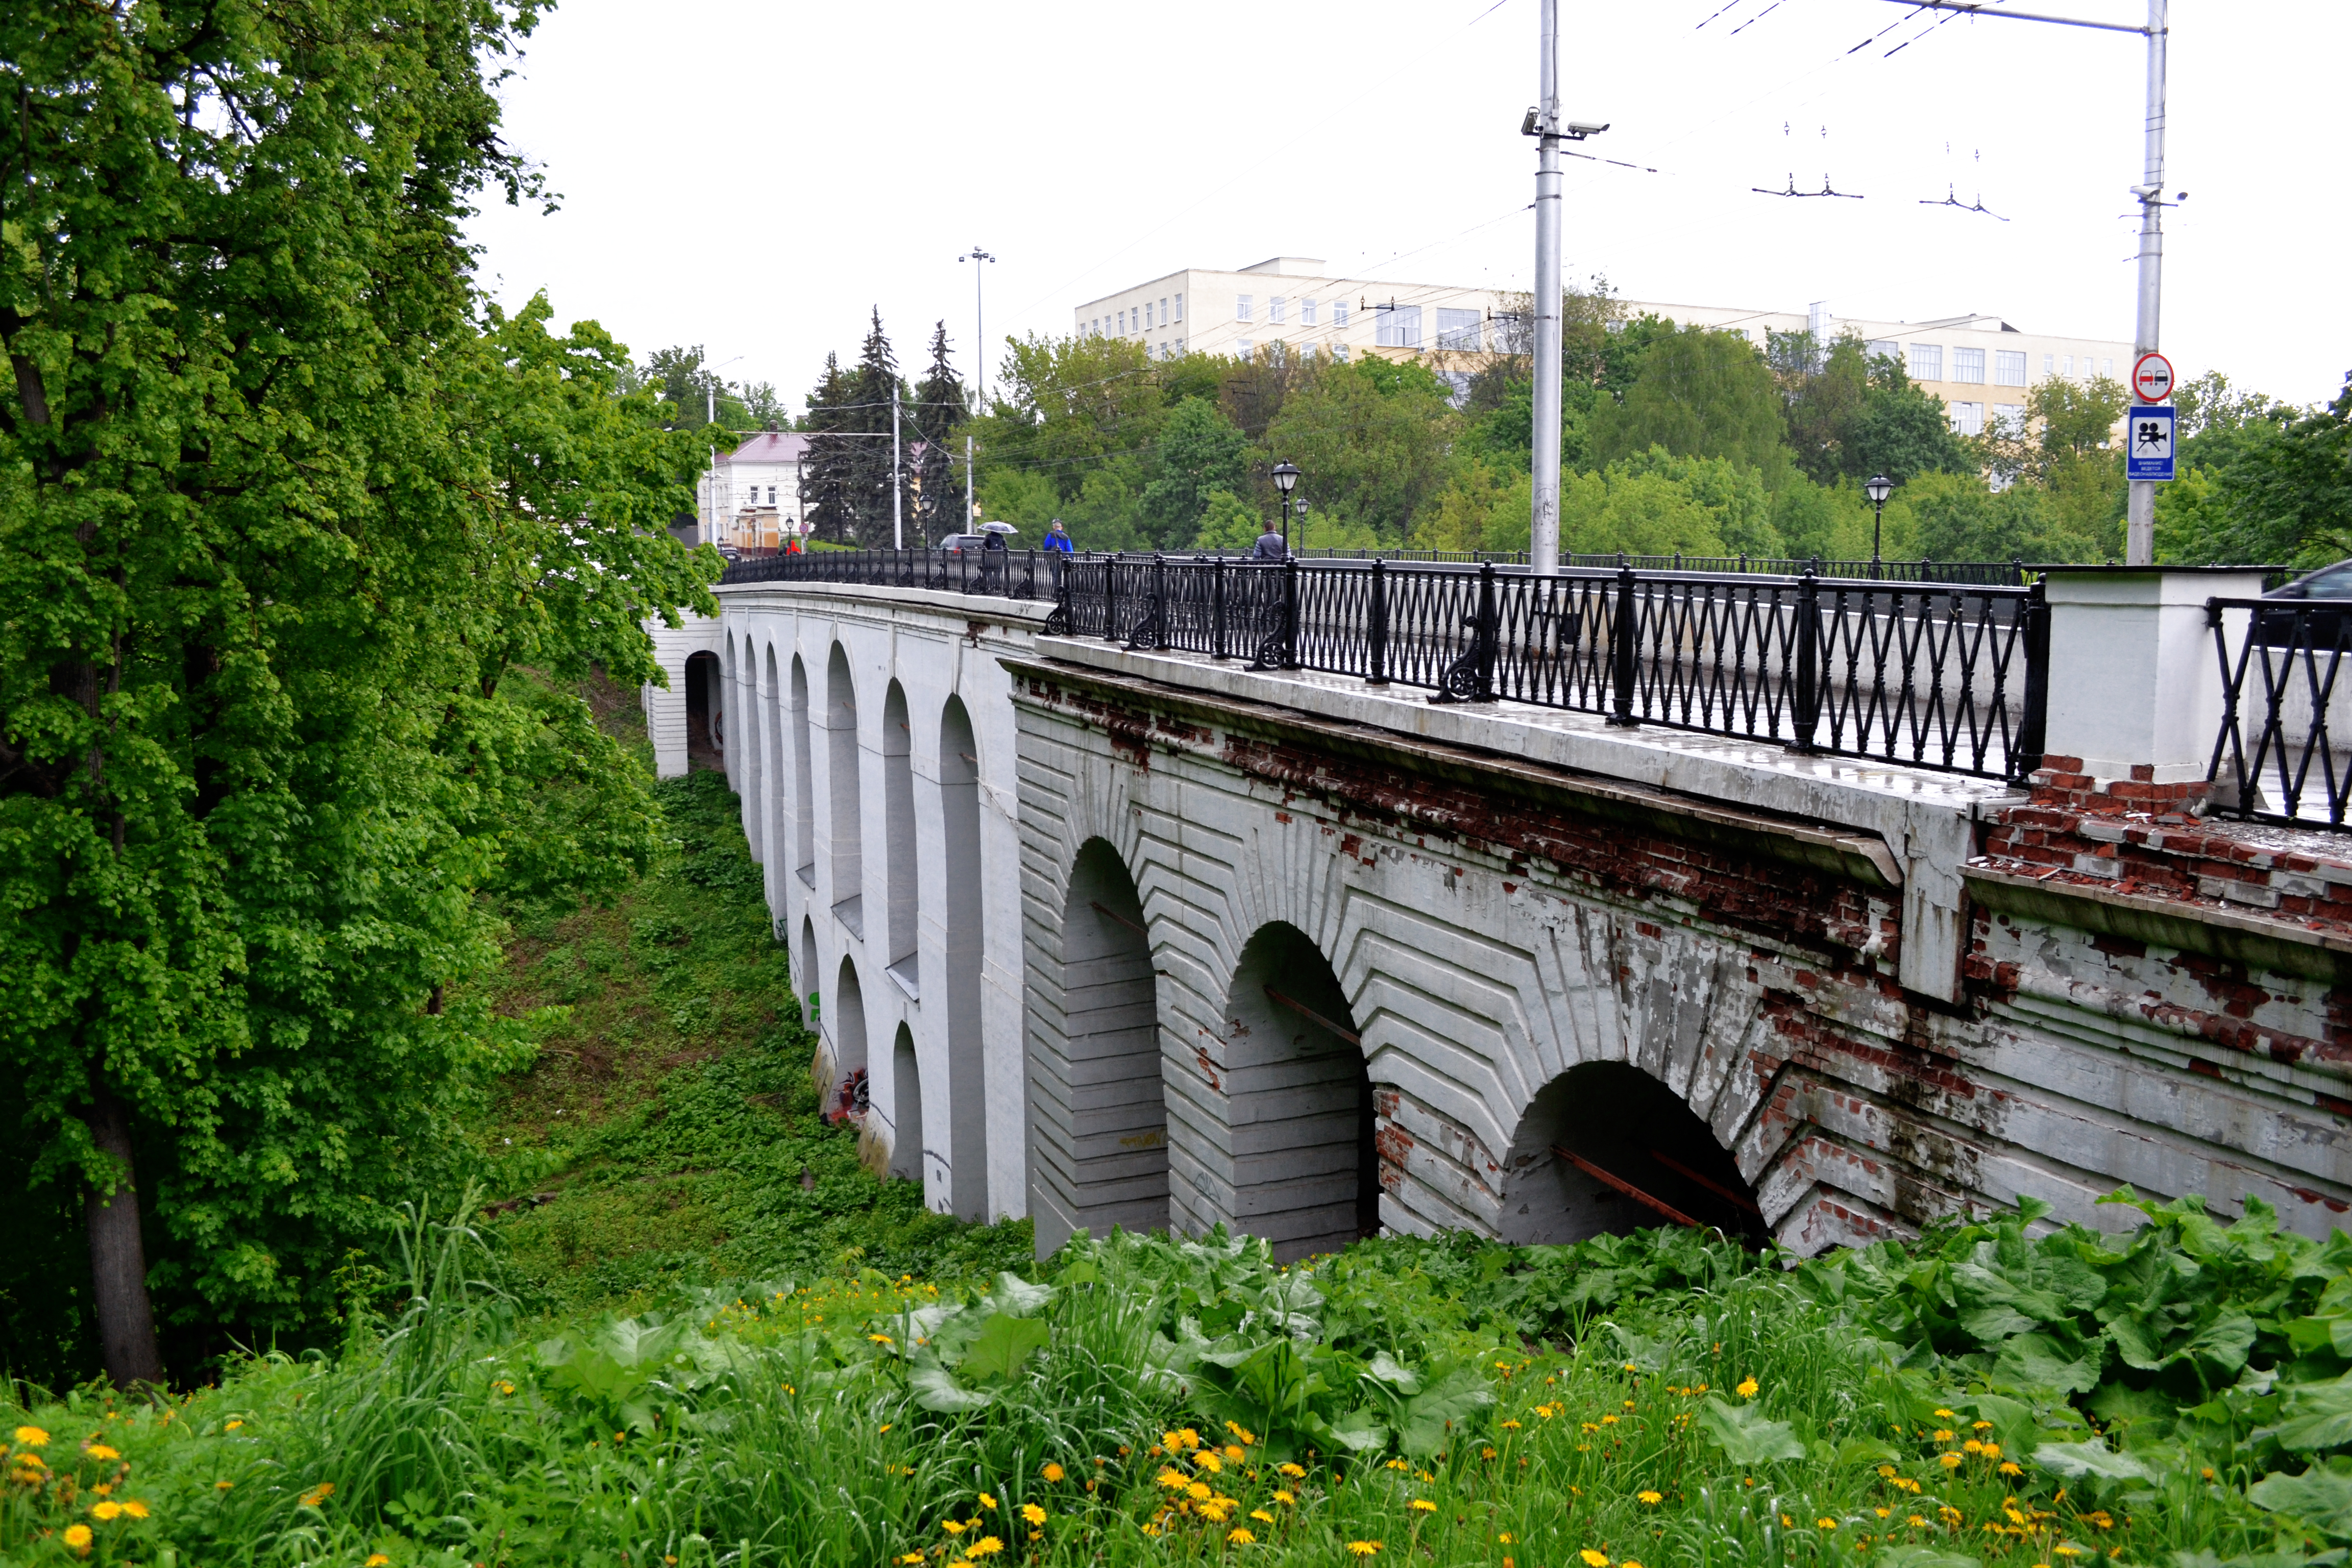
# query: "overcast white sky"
1092,146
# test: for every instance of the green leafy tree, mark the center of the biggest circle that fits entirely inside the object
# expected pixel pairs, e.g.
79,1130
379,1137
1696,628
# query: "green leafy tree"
875,470
2281,488
1700,392
1371,438
288,511
828,464
1200,451
696,397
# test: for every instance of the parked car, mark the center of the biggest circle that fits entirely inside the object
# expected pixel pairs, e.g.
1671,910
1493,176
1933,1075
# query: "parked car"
2325,626
954,543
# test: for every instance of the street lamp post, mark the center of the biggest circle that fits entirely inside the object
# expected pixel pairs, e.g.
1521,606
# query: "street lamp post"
1285,480
1878,487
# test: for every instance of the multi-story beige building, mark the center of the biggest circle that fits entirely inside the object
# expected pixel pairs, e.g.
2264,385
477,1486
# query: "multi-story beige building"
1979,366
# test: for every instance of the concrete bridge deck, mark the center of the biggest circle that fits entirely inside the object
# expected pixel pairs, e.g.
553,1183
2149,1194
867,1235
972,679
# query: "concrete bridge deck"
1157,940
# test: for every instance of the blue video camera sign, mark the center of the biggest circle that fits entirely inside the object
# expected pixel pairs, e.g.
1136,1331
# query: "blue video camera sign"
2148,442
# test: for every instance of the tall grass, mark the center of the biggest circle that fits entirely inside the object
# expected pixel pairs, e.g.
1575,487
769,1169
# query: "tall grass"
1643,1400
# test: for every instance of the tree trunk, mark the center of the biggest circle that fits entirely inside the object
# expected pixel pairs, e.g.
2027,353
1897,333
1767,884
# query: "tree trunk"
118,1259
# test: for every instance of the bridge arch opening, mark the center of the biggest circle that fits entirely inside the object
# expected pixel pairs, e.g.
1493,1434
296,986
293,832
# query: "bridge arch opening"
1298,1095
961,921
704,706
804,976
848,1036
1098,1107
751,773
803,804
905,1108
843,823
1605,1148
898,843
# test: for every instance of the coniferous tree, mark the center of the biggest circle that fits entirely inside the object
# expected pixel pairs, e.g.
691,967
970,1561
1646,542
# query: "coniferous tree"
939,412
867,412
828,467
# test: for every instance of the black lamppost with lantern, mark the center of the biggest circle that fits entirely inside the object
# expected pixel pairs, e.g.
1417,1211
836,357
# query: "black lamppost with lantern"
1878,487
1285,480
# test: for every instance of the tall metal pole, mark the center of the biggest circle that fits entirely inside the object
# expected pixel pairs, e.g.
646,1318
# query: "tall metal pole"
1543,541
897,489
711,417
2139,542
970,510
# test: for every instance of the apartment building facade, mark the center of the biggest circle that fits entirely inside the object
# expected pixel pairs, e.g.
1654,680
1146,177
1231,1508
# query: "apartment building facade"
1980,366
750,499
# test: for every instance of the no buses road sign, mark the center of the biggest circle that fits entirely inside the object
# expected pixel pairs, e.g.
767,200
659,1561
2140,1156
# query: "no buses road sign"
2148,442
2152,378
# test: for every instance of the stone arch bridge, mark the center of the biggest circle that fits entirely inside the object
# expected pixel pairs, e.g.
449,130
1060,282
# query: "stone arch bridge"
1115,937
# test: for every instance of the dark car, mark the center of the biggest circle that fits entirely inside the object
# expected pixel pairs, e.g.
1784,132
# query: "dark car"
2314,611
955,544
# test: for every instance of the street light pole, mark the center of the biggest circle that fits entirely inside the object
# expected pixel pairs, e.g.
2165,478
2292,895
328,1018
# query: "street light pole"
897,488
1878,487
2140,539
979,327
1543,535
1285,480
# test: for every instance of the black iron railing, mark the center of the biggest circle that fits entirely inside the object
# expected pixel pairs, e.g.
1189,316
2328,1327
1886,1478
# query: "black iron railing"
1937,675
2280,754
1009,573
1984,573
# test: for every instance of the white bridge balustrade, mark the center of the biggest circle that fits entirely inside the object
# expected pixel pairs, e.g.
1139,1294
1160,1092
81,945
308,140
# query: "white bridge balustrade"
1124,922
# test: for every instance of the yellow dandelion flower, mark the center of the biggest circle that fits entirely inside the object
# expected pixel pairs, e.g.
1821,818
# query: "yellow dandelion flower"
223,1486
1239,1536
103,1511
1747,1389
1033,1513
1199,1491
911,1558
31,1436
1208,1462
1652,1499
1294,1472
101,1451
1942,1436
1916,1522
1992,1451
1505,1538
1487,1453
954,1526
1594,1559
78,1537
1215,1511
1945,1414
986,1546
1175,1480
2011,1467
1364,1548
1397,1465
1629,1562
1825,1524
1980,1425
1883,1512
1284,1497
317,1494
1423,1505
1053,1472
1609,1421
1261,1516
988,1503
1949,1461
1510,1426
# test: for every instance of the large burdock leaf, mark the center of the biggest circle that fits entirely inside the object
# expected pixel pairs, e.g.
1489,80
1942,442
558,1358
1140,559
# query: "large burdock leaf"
1004,1343
2076,1460
2320,1498
936,1389
2037,1361
2319,1416
1431,1415
1744,1435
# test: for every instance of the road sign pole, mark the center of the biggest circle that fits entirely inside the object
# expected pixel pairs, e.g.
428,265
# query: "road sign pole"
1543,533
2139,538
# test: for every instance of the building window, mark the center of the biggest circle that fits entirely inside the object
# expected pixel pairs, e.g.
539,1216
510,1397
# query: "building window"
1338,312
1179,307
2106,367
1880,348
1927,362
2011,417
1179,345
1967,365
1163,312
1339,351
1306,312
771,495
1457,383
2049,364
1273,304
1396,326
2007,368
1243,347
2068,364
1122,323
1458,329
1968,418
1241,307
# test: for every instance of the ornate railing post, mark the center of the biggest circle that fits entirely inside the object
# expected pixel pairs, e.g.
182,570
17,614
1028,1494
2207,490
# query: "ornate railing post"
1380,625
2033,720
1805,712
1151,631
1624,650
1290,613
1110,598
1217,607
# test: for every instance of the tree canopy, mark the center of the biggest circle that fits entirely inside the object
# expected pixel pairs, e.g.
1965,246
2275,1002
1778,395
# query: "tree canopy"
300,536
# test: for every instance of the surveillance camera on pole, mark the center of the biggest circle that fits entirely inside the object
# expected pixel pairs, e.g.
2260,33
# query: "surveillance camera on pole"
1543,122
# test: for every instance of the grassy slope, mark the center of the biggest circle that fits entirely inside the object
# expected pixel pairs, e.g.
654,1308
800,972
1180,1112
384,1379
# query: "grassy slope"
671,1124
